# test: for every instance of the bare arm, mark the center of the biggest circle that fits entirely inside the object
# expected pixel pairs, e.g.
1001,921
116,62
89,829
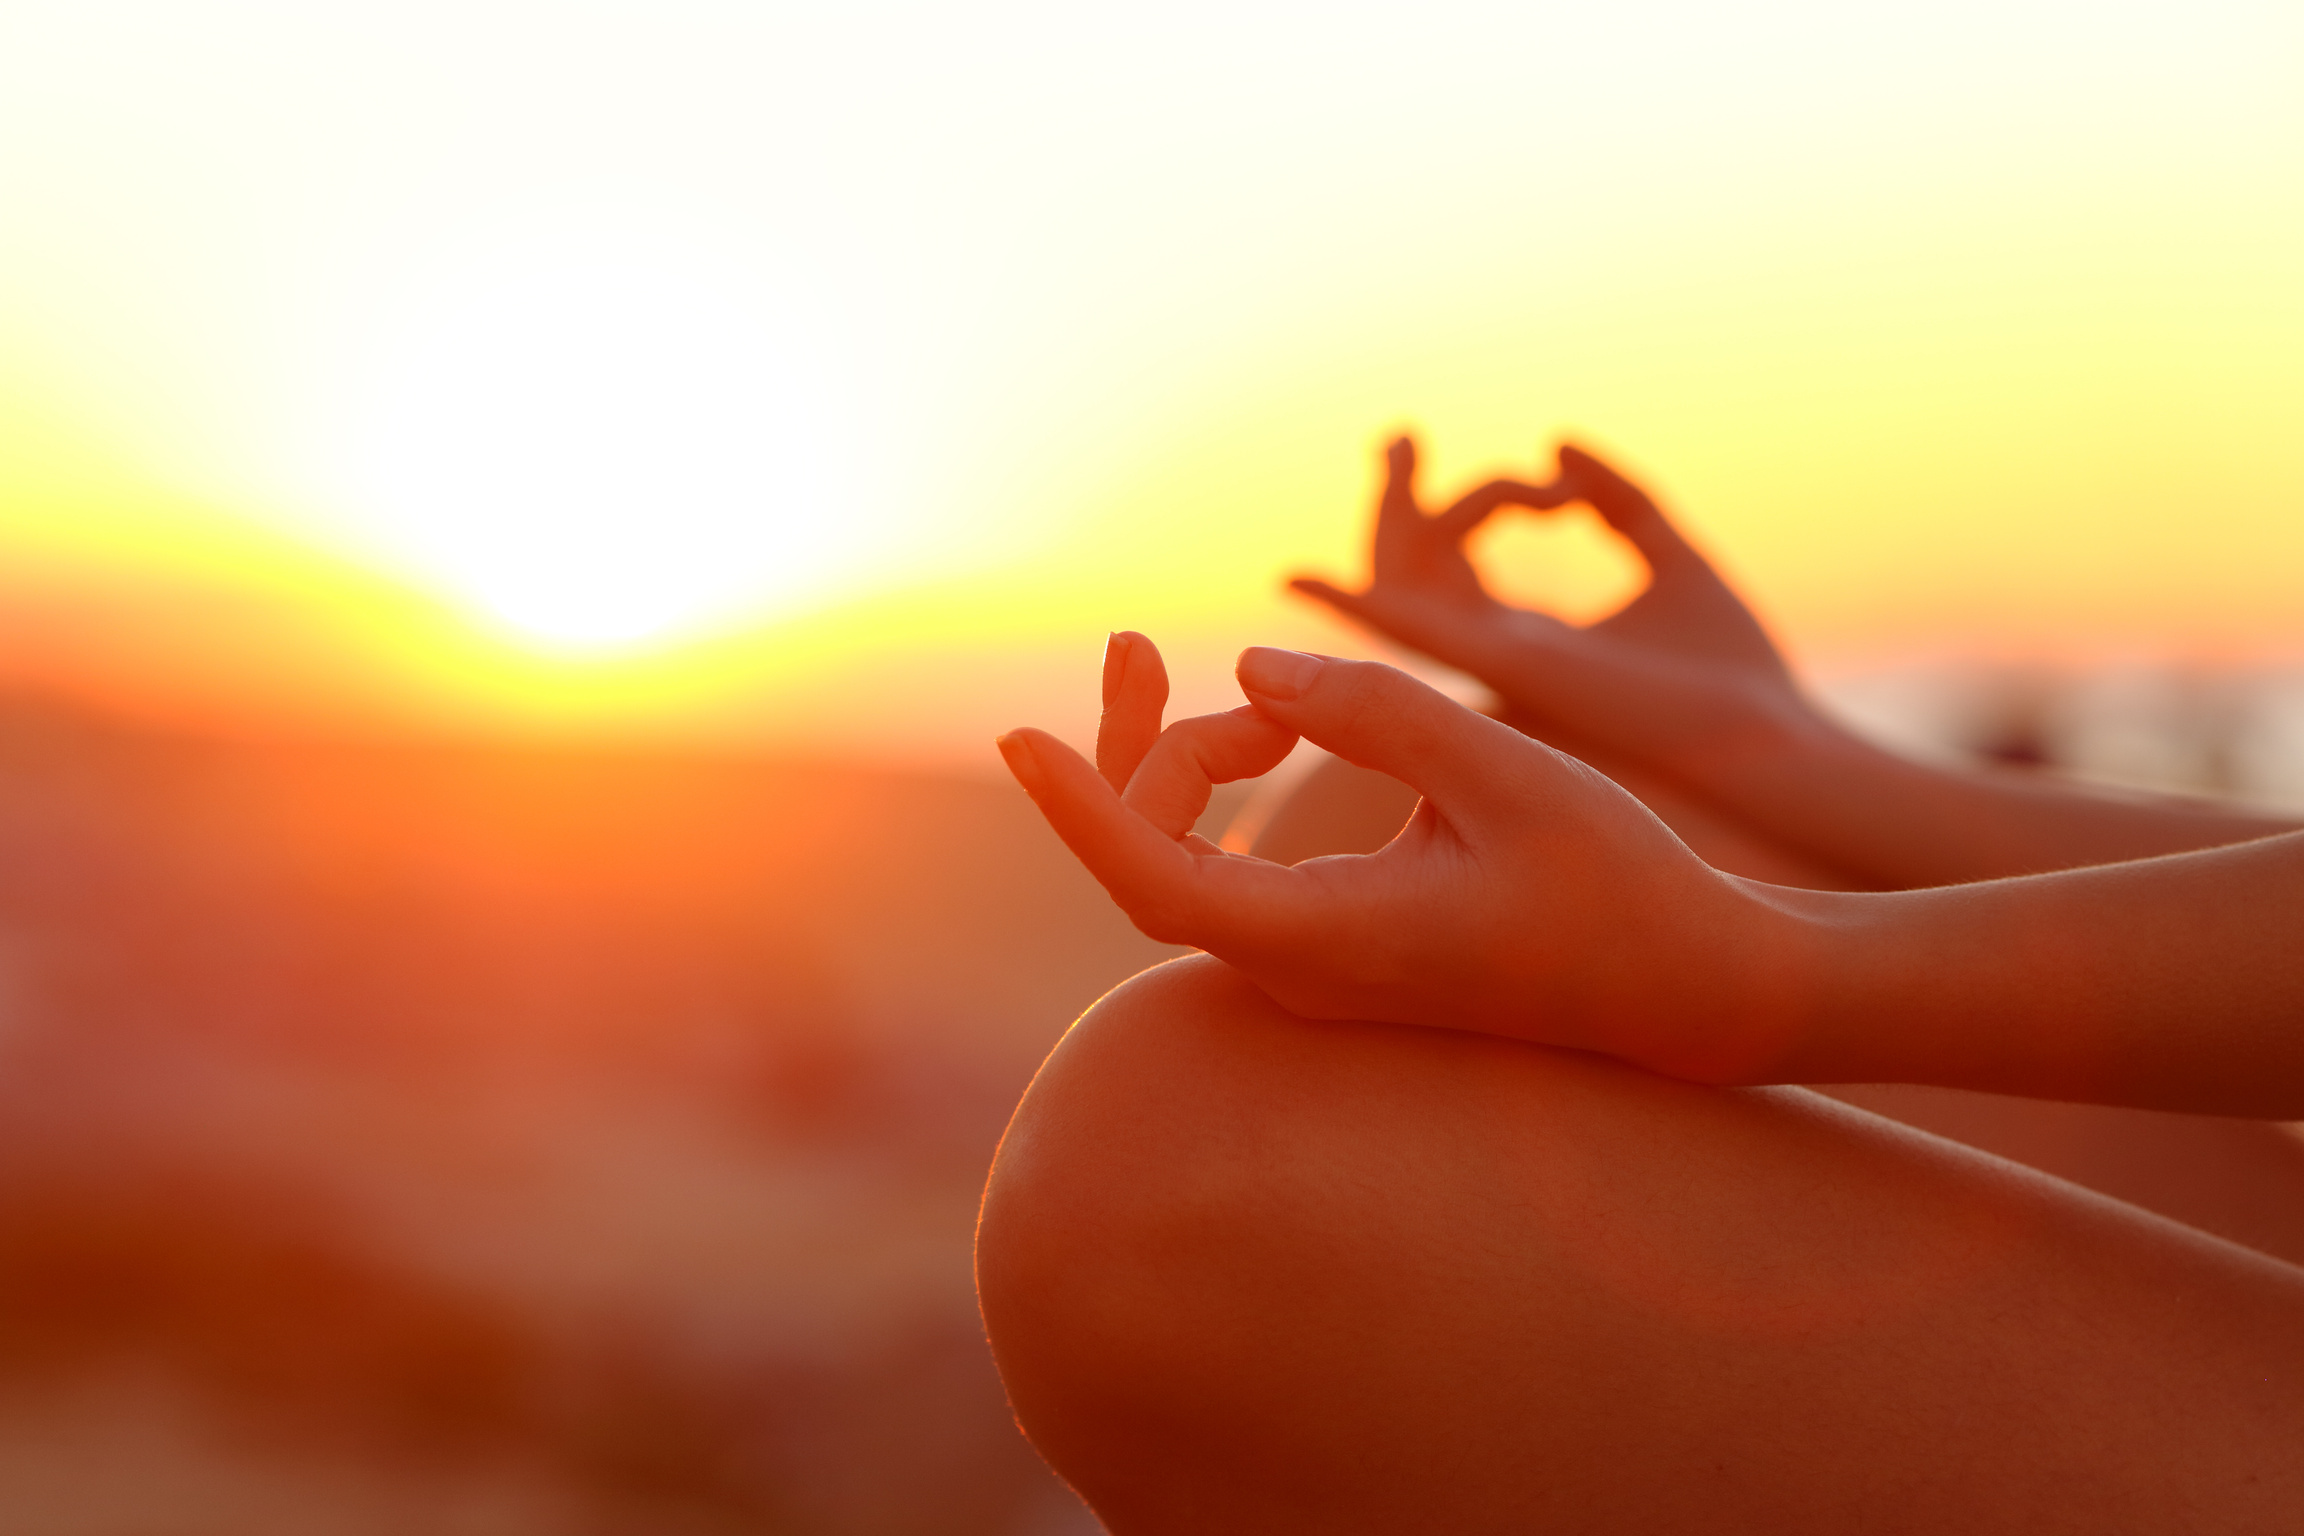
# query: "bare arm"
1533,898
2172,983
1684,682
1783,768
1906,823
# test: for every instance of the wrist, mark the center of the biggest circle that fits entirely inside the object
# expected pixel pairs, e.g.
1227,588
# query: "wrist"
1784,966
1742,999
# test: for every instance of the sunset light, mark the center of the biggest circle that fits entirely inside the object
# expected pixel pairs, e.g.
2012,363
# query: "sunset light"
599,453
758,370
690,735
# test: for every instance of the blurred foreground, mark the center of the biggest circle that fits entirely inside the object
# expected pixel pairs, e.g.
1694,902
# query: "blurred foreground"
457,1140
463,1140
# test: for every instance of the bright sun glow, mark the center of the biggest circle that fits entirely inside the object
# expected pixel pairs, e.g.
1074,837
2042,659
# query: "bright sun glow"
598,451
841,374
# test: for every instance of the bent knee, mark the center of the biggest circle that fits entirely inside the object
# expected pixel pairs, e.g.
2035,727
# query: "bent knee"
1182,1099
1208,1209
1187,1107
1128,1140
1131,1085
1239,1266
1146,1208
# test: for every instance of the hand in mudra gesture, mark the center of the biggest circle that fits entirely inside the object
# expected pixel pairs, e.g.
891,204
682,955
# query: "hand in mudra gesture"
1528,896
1681,670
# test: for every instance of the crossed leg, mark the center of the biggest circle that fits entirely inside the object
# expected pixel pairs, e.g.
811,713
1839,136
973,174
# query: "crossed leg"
1249,1273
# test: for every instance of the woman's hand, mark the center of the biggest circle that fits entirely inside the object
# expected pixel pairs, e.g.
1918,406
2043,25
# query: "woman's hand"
1684,683
1528,896
1677,678
1531,897
1422,589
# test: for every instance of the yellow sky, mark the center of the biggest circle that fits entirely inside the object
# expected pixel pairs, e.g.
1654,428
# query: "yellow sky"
838,380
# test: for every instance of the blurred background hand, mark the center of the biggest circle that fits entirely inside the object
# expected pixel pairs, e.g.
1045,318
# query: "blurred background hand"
1681,670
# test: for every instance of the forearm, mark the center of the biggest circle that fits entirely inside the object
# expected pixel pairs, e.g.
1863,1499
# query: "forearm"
2173,983
1898,823
1743,738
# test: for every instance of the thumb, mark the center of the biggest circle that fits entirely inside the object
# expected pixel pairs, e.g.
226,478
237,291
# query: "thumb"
1379,717
1625,507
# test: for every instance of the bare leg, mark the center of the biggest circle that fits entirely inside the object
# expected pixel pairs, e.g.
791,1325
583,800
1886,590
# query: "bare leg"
2237,1179
1245,1273
2242,1180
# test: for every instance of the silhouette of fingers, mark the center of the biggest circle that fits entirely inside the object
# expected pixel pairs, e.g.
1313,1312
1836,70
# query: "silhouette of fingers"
1625,507
1171,787
1135,692
1398,518
1474,507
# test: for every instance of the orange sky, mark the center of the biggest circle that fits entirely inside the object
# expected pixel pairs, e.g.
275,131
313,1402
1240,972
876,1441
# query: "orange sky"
836,382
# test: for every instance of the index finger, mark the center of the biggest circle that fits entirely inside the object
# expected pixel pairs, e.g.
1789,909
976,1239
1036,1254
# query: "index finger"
1171,786
1149,874
1216,901
1474,507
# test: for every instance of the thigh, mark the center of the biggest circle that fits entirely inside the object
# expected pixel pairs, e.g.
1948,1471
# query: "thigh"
1245,1272
2242,1180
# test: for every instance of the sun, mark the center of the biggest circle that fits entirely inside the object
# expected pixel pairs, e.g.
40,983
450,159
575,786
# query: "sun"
598,451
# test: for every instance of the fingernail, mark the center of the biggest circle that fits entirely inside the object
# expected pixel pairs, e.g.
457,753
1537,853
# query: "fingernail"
1277,674
1023,762
1115,665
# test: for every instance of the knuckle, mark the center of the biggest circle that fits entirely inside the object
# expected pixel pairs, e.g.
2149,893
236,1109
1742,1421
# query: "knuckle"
1362,692
1164,918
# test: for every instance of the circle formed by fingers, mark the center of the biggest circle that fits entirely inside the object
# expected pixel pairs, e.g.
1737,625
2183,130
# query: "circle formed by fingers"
1170,787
